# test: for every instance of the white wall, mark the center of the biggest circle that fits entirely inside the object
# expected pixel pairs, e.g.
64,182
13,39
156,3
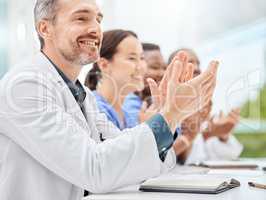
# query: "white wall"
22,38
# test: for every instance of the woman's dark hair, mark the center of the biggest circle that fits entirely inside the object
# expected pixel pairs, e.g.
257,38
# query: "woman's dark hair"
150,46
111,39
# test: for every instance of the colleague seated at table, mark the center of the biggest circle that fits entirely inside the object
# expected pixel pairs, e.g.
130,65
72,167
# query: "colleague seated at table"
216,140
119,71
114,77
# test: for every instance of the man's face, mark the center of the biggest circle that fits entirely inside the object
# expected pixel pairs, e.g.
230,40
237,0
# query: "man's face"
76,31
155,65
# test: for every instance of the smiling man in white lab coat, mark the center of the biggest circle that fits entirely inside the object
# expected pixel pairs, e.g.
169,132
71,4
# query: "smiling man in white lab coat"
50,129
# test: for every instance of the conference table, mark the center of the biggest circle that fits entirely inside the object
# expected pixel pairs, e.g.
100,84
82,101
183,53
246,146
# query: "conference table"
244,192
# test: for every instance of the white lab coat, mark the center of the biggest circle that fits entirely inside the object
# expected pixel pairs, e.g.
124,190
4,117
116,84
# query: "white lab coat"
50,151
214,149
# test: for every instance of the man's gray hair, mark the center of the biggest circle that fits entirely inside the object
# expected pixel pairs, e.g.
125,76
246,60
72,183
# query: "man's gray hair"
44,9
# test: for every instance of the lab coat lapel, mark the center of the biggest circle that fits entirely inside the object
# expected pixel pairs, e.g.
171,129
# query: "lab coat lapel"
70,104
90,109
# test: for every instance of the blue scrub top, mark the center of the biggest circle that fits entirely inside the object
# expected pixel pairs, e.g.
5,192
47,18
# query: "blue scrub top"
131,107
105,107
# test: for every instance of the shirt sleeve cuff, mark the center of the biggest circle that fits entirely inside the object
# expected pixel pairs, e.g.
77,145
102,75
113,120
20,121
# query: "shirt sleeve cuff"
162,133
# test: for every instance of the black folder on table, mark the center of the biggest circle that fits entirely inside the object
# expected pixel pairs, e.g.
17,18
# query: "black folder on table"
204,186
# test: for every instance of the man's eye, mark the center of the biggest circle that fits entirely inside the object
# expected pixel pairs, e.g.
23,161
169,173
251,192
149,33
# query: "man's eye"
99,20
156,67
81,18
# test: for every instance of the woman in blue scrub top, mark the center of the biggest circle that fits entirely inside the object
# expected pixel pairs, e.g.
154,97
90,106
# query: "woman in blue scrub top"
119,72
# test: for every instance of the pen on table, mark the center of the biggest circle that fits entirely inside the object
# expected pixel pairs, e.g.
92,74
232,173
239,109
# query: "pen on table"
257,185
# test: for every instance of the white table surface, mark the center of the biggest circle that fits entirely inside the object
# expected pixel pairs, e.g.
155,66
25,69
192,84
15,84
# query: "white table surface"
244,192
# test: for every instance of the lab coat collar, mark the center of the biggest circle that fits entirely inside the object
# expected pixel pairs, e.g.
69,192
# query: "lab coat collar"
72,106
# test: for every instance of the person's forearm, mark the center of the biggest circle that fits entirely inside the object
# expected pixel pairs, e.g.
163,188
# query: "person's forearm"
181,144
207,135
184,155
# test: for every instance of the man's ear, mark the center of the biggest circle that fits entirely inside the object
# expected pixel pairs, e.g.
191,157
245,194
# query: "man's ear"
44,29
104,65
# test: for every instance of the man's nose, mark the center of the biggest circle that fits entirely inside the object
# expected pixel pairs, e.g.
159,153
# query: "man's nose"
95,31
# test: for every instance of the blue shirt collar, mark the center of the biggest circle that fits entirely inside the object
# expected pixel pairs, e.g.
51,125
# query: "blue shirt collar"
76,88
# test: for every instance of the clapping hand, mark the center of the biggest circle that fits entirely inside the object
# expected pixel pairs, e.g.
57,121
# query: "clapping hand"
177,97
222,125
158,92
